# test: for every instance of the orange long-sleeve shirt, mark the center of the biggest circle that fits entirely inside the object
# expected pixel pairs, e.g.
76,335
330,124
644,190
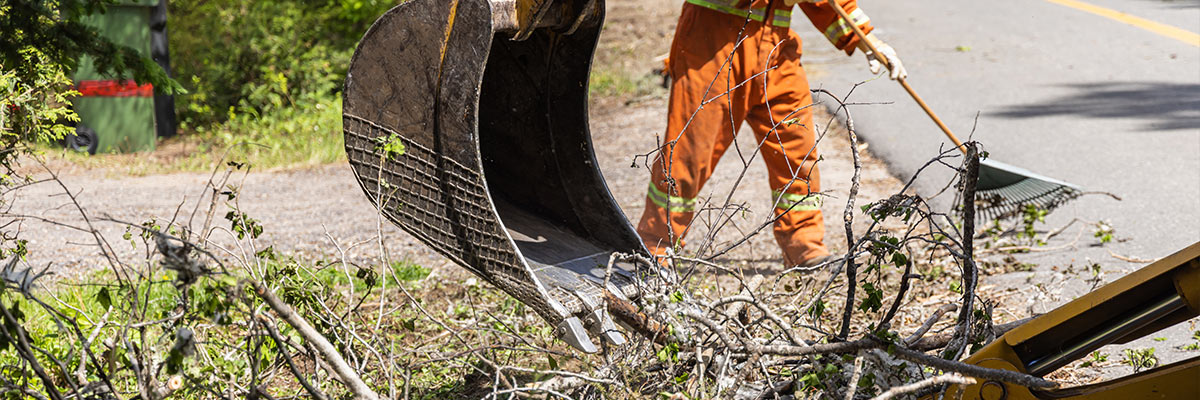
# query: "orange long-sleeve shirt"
837,30
821,14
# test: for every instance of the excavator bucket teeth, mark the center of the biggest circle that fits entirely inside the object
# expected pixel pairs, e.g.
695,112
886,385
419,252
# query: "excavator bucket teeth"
496,170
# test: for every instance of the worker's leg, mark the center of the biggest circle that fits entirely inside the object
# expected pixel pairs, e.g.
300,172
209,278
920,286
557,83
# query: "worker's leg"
789,150
697,134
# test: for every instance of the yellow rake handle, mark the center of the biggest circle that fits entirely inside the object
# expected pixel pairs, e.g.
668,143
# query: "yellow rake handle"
886,63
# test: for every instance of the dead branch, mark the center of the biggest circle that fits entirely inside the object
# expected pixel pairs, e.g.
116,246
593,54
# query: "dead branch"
940,341
973,370
951,378
287,357
347,374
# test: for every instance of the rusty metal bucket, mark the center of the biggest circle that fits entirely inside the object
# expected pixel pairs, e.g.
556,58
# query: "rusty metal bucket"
498,172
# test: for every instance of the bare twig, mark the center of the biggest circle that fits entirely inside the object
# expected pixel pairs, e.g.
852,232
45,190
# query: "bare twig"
951,378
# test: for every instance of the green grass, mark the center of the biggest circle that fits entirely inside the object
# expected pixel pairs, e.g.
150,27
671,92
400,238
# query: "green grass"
295,134
306,134
617,82
218,320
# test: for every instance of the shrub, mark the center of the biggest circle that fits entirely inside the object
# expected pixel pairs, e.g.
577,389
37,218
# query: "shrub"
258,57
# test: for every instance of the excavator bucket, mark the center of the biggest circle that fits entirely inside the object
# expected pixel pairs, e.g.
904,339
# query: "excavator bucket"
489,102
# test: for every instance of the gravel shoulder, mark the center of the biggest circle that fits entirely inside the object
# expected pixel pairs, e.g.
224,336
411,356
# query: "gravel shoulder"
313,212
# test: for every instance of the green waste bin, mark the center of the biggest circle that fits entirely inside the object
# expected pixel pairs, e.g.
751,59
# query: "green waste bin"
118,115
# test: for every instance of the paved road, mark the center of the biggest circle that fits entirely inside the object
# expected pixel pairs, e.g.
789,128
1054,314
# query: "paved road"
1067,93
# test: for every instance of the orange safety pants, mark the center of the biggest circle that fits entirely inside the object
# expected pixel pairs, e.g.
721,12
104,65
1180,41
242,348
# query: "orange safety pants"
717,84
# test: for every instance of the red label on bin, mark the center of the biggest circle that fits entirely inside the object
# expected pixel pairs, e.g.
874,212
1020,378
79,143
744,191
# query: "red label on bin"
114,89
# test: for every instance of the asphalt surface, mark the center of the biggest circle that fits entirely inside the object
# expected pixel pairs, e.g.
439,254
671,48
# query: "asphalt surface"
1072,95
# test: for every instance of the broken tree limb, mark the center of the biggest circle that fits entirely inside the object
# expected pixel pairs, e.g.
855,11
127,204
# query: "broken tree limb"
940,341
348,376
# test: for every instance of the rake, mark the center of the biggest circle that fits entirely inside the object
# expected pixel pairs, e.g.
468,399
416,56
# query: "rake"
1003,190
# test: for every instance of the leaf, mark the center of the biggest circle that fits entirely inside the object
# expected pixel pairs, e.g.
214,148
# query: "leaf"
553,363
668,353
867,380
874,298
810,381
267,253
104,298
816,309
681,379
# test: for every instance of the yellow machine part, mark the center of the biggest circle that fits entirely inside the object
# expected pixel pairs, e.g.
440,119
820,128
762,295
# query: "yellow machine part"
1150,299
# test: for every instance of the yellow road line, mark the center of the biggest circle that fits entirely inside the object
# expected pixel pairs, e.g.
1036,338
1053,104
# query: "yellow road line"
1161,29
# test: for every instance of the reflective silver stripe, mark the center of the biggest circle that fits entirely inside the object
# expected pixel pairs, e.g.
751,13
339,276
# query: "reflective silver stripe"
782,18
758,13
782,22
671,203
839,29
784,201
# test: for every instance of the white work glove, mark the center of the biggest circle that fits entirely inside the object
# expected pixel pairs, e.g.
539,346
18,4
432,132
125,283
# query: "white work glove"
886,53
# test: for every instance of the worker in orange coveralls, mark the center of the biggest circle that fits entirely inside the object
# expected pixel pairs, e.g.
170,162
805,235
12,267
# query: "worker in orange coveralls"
706,62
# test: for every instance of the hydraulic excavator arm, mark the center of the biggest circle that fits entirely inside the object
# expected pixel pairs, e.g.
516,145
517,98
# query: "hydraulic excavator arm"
1150,299
521,17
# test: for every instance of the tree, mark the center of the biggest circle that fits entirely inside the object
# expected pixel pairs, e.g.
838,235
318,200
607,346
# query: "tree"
41,42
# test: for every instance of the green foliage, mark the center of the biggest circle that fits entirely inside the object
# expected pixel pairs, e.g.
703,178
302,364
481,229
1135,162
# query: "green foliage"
874,298
308,132
668,353
260,57
33,108
1096,359
264,83
1194,345
816,310
389,146
1031,214
409,271
243,225
20,249
52,32
815,380
1140,359
616,82
956,286
1104,231
41,42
